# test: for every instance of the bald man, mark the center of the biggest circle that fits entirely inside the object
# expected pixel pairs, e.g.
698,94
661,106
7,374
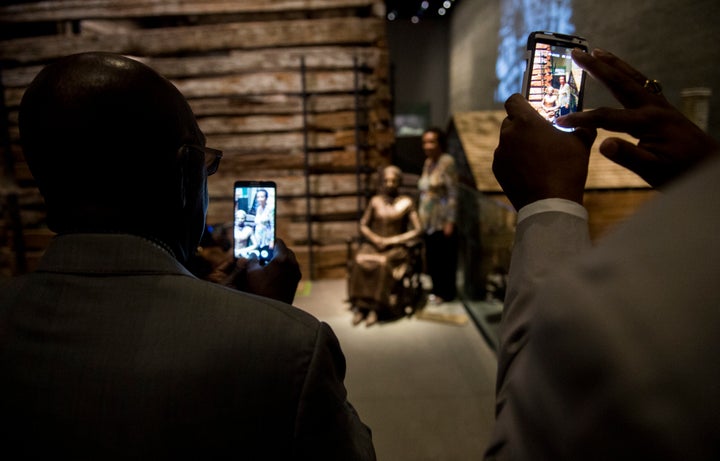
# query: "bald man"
112,348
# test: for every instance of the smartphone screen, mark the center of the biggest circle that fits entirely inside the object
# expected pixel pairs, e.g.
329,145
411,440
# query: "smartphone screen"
553,83
254,222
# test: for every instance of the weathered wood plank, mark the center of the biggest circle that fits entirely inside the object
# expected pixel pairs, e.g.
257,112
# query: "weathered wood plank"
326,233
321,205
250,124
269,142
271,104
294,160
253,142
274,82
318,57
256,104
205,38
291,186
61,10
279,122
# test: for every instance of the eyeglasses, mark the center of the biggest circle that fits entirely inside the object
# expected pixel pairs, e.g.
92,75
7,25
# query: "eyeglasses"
212,157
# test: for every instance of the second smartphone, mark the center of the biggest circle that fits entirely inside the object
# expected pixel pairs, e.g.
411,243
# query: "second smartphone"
254,222
553,83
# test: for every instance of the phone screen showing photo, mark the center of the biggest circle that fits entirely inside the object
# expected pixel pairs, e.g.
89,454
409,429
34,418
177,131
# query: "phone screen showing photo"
555,82
254,220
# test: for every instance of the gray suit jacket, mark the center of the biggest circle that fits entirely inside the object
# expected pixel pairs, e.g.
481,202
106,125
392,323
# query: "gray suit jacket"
611,352
113,350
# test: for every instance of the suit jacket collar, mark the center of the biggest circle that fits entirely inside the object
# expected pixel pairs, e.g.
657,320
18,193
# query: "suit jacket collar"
108,254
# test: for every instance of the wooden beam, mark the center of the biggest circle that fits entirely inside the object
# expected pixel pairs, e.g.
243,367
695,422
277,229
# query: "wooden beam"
205,38
61,10
290,186
316,57
273,82
273,123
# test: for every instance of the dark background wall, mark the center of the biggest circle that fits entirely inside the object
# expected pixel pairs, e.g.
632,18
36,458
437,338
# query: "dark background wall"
420,60
420,64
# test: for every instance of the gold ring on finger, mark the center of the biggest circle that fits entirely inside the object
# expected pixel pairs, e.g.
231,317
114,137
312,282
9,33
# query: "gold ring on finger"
653,86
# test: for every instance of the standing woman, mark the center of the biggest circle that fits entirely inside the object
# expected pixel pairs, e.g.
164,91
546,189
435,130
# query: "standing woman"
438,209
264,220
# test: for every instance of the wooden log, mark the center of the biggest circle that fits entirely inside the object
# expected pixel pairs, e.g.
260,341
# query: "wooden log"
281,142
274,123
62,10
297,207
316,57
275,142
270,104
294,160
237,105
291,186
326,233
273,82
216,37
250,124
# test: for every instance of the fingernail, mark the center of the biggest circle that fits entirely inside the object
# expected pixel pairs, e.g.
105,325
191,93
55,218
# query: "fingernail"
580,55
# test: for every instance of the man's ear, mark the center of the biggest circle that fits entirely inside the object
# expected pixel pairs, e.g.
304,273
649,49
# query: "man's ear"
192,199
183,156
190,174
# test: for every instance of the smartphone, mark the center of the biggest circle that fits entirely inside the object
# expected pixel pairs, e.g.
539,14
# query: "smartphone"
553,83
254,219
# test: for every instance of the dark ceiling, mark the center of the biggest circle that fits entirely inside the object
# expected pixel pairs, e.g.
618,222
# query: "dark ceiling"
421,9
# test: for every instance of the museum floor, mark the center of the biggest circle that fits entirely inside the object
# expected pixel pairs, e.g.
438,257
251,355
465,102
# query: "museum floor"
424,384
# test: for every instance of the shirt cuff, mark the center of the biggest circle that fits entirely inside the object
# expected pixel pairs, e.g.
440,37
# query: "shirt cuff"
552,204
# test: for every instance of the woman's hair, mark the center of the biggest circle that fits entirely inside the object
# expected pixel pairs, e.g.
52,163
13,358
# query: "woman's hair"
441,137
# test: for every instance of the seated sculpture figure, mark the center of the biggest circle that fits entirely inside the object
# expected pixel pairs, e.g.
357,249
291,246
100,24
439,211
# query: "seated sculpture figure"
389,226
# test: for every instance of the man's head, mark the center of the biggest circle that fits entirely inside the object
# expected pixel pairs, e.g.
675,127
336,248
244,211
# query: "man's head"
103,136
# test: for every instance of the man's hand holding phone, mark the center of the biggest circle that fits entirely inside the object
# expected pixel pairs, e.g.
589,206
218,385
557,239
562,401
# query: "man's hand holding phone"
535,161
277,279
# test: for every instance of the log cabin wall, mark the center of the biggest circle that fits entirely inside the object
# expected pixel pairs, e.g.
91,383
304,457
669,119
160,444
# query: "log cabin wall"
265,80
